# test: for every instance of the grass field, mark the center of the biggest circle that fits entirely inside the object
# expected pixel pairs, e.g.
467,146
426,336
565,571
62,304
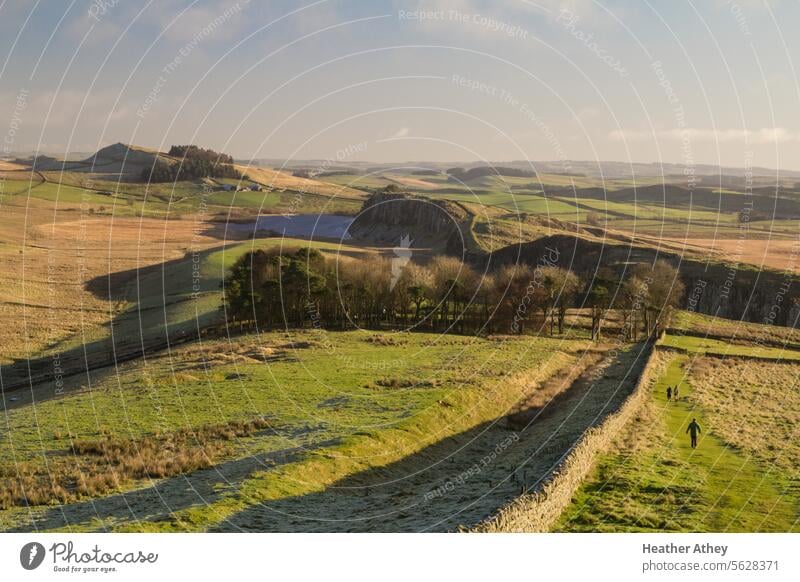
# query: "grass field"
73,190
331,413
358,181
49,256
726,348
736,331
643,211
755,407
654,481
519,203
57,238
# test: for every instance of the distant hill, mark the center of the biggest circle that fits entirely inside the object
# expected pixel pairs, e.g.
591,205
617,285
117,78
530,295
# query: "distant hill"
115,160
137,163
123,153
464,175
600,169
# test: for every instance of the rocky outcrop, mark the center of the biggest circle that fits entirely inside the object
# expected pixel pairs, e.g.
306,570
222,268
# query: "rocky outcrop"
739,292
390,217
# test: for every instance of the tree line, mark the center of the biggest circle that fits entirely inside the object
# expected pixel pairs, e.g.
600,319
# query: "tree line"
302,287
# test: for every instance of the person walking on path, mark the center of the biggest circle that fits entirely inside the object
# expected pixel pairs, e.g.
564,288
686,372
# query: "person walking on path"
693,429
675,393
669,393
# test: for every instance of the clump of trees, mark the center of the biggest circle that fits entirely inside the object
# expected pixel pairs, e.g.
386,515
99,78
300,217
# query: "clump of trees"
195,162
302,287
197,153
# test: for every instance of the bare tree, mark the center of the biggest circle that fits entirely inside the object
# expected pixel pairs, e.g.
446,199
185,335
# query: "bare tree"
664,292
564,288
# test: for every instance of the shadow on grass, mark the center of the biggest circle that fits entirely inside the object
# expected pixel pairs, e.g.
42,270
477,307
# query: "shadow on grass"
460,480
158,501
157,293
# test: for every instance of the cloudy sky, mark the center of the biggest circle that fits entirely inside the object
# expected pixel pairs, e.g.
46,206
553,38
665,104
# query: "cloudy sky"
711,81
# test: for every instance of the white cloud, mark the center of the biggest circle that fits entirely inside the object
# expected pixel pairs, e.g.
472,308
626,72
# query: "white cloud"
220,20
764,135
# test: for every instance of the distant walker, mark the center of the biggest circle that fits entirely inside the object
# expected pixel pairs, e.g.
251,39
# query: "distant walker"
693,429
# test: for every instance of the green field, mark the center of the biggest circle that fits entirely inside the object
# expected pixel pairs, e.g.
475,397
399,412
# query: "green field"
654,481
56,192
158,200
332,412
519,202
699,345
649,211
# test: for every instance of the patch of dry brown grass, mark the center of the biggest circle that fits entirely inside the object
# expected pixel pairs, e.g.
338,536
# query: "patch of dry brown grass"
753,405
385,340
771,253
6,166
97,467
738,331
48,254
285,181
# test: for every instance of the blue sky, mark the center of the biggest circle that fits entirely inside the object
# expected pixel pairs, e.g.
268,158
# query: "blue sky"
674,81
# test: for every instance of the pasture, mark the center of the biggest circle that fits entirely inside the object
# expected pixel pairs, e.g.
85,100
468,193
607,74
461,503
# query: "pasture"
328,405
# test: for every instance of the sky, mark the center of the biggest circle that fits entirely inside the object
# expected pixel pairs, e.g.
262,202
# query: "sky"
691,82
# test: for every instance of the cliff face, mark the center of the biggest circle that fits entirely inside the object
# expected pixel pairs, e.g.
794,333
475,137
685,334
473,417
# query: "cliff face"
732,292
744,294
388,217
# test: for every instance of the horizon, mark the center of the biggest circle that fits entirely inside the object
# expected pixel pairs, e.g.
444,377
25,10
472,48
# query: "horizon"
411,162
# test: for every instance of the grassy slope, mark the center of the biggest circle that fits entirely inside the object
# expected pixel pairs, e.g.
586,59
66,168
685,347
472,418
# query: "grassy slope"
315,396
163,299
480,392
699,345
656,482
711,326
518,202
